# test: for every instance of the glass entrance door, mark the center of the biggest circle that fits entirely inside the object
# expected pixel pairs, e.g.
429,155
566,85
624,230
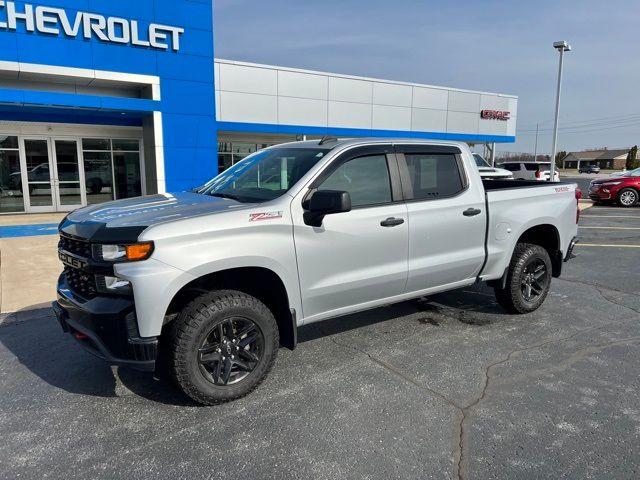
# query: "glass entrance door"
54,175
68,183
39,191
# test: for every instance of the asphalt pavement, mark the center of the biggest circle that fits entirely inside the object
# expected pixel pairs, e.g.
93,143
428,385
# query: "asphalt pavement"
447,387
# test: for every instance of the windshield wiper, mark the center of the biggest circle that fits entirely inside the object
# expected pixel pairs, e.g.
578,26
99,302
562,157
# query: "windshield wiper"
225,195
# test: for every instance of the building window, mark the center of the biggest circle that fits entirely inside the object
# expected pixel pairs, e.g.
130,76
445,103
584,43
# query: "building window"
10,176
230,153
111,169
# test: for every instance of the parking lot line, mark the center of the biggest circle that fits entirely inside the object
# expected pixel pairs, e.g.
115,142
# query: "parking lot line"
606,245
610,228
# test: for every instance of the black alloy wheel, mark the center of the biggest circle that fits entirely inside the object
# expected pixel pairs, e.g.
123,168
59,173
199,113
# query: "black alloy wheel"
231,351
534,280
528,279
221,346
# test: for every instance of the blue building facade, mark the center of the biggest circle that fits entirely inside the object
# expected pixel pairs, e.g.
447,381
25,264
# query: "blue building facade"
118,63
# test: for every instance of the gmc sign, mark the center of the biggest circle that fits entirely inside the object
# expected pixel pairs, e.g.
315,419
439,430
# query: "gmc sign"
495,115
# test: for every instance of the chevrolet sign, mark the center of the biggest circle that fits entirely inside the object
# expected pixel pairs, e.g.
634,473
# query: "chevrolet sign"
54,21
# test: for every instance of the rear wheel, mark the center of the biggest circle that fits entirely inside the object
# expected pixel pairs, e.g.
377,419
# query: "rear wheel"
627,197
528,279
224,344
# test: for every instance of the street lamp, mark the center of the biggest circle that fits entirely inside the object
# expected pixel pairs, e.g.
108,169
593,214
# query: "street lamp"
562,46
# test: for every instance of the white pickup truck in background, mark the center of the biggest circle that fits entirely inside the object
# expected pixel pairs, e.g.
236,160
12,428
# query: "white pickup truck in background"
215,280
487,172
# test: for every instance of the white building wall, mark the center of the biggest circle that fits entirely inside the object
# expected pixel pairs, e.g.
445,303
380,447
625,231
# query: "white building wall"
252,93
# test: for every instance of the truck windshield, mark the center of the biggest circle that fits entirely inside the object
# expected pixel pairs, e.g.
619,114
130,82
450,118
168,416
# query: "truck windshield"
264,175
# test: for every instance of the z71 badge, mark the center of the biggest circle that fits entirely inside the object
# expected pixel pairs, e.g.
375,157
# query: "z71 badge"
256,217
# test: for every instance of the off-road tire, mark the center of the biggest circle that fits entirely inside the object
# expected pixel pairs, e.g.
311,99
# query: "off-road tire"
191,328
511,298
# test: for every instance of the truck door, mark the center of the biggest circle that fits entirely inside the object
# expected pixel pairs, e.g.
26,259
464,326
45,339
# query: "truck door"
357,257
447,216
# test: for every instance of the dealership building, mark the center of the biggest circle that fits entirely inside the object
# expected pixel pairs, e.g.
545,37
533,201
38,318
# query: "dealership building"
109,99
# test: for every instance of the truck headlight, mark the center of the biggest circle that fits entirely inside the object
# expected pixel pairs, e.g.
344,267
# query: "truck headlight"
123,253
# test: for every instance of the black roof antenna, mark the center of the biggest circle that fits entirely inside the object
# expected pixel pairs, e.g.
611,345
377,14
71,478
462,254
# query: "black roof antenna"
327,139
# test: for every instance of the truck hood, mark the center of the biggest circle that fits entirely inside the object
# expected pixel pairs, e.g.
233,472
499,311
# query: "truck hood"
104,221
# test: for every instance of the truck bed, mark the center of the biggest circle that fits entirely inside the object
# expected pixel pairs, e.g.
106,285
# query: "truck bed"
514,206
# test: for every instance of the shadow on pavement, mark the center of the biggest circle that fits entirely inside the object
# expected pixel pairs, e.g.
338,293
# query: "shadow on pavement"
473,306
37,341
35,338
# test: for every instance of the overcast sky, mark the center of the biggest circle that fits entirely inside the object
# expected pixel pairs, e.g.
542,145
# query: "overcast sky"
489,45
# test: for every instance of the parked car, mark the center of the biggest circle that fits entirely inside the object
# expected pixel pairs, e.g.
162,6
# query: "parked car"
530,170
97,176
219,278
589,168
623,189
487,172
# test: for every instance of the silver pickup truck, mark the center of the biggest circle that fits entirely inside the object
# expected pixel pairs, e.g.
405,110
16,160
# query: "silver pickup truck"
215,280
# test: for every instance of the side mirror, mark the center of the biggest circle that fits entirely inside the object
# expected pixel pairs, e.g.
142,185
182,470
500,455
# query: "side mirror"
326,202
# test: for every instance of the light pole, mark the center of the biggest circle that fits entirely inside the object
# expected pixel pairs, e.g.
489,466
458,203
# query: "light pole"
561,46
535,150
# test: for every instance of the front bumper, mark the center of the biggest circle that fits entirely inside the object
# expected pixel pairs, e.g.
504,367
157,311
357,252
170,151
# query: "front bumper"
106,327
599,194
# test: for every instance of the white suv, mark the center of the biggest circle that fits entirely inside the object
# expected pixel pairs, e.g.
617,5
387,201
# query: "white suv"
530,170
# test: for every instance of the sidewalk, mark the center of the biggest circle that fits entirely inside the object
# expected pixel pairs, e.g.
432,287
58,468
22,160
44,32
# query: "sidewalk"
31,219
29,266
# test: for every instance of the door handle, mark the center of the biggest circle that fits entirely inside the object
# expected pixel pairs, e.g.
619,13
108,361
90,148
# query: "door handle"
472,212
392,222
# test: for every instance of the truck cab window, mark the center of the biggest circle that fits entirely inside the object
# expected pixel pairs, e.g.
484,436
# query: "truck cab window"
434,175
365,178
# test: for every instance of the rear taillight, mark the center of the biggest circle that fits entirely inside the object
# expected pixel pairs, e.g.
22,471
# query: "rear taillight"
538,174
578,197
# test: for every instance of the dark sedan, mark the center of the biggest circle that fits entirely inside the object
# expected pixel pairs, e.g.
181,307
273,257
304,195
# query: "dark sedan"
589,169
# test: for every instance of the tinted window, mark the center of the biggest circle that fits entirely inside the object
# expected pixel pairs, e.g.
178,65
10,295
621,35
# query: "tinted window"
365,178
7,141
512,167
531,167
96,144
434,175
126,145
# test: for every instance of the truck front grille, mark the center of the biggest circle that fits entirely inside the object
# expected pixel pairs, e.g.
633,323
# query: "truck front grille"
81,282
76,246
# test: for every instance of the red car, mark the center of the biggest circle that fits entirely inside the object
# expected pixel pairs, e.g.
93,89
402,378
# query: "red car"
623,188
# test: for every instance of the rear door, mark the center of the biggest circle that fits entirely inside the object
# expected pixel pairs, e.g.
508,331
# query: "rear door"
447,216
359,257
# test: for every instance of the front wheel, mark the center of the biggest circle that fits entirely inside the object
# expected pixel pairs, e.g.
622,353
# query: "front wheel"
223,345
528,279
627,197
